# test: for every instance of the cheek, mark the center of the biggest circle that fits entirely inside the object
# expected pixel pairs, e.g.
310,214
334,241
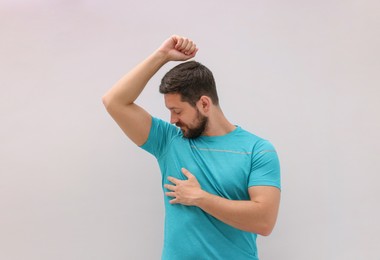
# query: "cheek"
182,123
188,119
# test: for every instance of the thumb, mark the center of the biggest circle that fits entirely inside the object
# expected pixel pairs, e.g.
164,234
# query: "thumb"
186,173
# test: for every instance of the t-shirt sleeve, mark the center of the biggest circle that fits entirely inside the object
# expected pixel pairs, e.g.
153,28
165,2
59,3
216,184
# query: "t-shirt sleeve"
265,169
160,135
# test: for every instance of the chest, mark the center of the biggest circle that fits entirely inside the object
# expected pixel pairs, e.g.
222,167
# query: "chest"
220,170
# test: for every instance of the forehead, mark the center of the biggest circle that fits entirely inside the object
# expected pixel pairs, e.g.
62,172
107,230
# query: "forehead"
174,101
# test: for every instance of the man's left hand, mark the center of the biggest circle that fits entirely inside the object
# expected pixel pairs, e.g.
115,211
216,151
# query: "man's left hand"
186,192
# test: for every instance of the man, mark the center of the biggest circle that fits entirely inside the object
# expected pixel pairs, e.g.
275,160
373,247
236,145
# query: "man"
221,183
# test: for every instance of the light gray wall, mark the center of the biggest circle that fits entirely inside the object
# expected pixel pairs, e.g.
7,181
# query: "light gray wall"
303,74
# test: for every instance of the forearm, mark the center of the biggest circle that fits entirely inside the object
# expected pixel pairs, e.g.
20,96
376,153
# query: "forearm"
129,87
246,215
257,215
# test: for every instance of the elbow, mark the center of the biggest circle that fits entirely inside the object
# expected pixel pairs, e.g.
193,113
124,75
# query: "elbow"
113,103
265,229
106,101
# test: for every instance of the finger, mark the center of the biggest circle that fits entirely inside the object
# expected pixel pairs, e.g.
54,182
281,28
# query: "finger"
173,180
170,187
183,45
173,201
188,47
186,173
175,37
179,42
191,55
192,49
170,194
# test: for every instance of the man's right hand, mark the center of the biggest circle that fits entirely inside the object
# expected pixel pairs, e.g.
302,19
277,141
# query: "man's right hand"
178,48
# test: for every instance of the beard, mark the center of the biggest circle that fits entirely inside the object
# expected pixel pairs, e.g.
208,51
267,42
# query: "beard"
196,130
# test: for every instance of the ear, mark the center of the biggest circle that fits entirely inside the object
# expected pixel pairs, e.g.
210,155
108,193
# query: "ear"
204,104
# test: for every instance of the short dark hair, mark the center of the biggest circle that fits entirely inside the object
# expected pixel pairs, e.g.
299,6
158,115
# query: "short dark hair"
191,80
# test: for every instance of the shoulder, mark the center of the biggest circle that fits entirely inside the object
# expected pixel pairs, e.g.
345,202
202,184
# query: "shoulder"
255,143
163,132
160,137
159,124
252,138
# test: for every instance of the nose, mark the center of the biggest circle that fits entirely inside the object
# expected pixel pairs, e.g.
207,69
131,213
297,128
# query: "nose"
173,118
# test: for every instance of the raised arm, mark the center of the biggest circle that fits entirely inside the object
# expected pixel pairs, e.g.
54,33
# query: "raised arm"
119,100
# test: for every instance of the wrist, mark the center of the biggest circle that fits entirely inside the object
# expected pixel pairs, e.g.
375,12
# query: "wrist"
202,198
161,56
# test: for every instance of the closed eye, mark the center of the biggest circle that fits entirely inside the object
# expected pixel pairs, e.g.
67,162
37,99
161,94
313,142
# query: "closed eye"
177,112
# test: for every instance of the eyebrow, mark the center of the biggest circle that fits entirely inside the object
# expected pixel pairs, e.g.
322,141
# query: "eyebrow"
172,108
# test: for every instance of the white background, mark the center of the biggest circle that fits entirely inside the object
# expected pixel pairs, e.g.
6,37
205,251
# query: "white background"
303,74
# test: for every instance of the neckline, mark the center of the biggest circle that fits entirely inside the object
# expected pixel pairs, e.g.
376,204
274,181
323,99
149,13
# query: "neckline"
208,137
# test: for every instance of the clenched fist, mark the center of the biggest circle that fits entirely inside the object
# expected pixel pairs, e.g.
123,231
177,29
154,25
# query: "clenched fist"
178,48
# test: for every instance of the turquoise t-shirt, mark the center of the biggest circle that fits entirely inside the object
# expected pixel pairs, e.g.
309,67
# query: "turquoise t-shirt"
225,166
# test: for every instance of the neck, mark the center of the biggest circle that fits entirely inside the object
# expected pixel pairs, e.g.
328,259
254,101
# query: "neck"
218,124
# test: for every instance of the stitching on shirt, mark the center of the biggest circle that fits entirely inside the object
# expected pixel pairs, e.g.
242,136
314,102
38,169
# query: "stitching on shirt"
219,150
267,151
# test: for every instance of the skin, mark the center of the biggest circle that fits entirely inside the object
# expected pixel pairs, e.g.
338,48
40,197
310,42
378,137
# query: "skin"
257,215
191,128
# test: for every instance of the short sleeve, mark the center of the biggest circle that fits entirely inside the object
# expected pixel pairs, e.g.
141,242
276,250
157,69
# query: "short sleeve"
160,135
265,168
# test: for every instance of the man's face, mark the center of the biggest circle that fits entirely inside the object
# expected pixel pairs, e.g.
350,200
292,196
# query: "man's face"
186,117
